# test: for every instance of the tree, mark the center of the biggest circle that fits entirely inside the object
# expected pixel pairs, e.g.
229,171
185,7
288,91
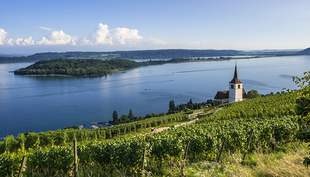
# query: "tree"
154,114
253,94
124,118
210,102
303,106
147,116
303,100
162,114
130,115
171,105
199,106
189,105
136,118
115,117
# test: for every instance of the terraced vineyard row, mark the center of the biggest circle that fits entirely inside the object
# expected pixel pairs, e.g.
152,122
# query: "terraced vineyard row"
269,106
60,137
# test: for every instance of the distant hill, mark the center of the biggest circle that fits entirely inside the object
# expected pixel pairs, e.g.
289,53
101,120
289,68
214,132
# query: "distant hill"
141,54
147,54
304,52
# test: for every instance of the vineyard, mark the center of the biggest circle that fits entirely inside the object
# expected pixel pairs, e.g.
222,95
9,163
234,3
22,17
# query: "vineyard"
252,125
60,137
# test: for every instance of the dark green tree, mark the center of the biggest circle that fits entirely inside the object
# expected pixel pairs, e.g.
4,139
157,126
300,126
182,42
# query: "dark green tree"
253,94
162,114
303,100
154,114
171,105
189,105
199,106
124,118
130,115
147,116
136,118
303,107
115,117
210,102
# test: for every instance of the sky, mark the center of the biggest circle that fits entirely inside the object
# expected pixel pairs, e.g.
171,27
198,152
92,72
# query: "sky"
32,26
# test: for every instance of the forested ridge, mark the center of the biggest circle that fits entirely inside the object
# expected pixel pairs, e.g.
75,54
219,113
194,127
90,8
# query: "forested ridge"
141,54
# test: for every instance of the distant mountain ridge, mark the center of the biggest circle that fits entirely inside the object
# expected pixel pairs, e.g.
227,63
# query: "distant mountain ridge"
142,54
305,52
139,54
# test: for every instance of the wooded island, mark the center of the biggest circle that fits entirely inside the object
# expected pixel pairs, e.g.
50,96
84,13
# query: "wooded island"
79,67
93,67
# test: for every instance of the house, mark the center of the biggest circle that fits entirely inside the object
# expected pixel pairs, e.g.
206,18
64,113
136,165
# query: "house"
235,93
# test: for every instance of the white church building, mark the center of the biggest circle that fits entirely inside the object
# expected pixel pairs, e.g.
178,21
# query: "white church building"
235,93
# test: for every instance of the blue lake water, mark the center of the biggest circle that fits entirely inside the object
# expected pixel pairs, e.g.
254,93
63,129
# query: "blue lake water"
50,103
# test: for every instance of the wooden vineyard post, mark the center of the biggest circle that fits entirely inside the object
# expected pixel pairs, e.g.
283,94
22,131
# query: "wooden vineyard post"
143,159
119,134
218,159
22,166
270,136
185,155
75,158
247,146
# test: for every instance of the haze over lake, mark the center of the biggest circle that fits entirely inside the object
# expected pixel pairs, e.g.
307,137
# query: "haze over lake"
50,103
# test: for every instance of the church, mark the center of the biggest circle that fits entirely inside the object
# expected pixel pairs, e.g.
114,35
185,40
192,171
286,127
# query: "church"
234,94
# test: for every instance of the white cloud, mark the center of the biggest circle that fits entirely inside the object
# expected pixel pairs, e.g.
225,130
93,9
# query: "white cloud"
86,42
116,36
2,35
101,36
46,28
28,41
10,41
18,41
21,41
122,35
191,43
57,38
157,41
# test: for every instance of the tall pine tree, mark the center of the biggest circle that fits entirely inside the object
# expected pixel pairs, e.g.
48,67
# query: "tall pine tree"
115,117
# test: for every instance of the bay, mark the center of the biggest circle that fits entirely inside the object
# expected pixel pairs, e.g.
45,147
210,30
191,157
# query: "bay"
50,103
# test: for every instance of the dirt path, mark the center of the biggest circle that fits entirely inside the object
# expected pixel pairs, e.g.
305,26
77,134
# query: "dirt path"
156,130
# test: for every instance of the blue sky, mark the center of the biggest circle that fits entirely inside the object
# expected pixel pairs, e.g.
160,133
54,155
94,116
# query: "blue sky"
74,25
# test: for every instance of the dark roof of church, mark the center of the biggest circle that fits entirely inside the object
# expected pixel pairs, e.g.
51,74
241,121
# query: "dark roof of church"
222,94
235,80
225,94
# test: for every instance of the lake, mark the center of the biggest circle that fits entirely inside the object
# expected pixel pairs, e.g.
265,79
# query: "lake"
50,103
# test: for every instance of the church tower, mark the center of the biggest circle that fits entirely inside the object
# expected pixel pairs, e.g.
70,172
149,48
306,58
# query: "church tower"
235,88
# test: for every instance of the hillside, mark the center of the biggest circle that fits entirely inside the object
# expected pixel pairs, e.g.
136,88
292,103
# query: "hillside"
304,52
141,54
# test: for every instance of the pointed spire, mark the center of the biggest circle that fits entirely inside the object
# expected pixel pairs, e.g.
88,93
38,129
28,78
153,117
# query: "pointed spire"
235,79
